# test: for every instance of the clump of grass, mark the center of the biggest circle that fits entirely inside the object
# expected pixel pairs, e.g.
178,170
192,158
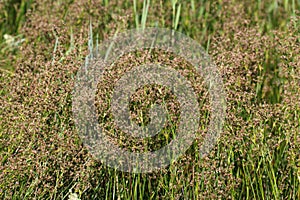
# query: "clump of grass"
257,155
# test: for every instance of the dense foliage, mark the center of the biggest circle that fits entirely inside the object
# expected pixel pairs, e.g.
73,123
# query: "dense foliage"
254,44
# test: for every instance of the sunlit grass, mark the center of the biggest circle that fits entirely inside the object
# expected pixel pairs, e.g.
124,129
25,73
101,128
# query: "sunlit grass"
257,156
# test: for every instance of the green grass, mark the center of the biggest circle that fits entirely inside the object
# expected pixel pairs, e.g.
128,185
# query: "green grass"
257,155
12,17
